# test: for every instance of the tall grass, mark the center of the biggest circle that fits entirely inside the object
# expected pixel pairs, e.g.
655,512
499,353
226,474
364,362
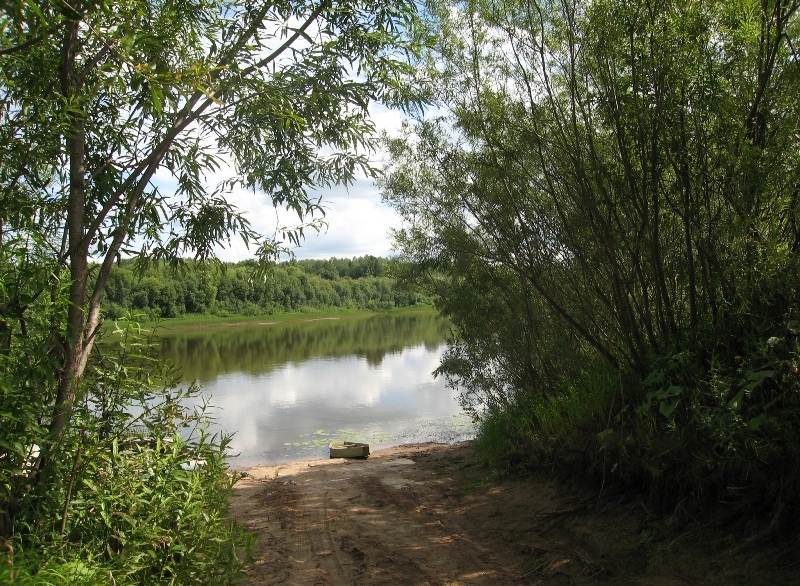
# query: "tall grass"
140,493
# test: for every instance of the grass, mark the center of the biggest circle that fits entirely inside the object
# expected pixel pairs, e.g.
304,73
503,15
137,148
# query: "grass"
202,321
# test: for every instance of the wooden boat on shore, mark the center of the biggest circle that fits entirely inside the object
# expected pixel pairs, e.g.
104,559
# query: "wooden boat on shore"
349,450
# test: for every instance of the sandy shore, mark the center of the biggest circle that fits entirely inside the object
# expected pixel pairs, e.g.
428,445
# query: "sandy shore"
427,515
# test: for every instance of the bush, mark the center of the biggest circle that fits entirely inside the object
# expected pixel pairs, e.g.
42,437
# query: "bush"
687,436
141,496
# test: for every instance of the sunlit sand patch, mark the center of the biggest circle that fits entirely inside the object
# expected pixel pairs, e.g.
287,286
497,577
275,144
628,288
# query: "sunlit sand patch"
398,482
398,462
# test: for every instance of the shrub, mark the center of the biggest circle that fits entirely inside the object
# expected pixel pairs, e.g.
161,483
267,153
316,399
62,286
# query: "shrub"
141,497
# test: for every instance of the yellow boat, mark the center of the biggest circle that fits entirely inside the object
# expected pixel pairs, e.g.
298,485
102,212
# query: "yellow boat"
349,450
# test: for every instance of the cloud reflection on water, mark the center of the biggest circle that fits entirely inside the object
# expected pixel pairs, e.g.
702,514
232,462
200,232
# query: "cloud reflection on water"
289,403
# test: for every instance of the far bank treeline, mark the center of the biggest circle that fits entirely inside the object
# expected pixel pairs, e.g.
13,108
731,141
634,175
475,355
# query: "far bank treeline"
159,290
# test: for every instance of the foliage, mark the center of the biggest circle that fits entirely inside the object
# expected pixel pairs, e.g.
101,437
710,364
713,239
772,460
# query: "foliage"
34,289
613,187
97,98
104,106
127,507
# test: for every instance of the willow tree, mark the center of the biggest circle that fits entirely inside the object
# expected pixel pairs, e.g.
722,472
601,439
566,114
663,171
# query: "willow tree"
633,163
614,186
99,97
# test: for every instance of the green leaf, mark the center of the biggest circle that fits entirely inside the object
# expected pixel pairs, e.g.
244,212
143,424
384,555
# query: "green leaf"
654,378
756,422
667,408
736,403
603,435
759,376
155,92
645,407
34,6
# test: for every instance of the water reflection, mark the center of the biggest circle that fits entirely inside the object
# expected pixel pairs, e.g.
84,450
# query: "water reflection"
259,348
286,390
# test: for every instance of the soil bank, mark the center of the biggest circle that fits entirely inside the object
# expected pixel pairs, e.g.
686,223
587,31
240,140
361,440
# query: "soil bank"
428,515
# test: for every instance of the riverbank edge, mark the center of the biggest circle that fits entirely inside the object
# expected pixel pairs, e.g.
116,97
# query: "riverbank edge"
202,322
377,454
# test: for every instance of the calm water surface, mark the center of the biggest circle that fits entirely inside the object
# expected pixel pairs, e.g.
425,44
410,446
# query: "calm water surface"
287,390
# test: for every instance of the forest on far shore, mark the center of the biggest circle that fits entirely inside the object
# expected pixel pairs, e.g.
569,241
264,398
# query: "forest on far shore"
160,290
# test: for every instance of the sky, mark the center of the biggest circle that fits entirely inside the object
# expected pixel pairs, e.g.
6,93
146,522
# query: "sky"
358,223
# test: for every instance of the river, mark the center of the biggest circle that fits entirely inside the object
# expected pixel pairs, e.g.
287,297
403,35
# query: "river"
285,390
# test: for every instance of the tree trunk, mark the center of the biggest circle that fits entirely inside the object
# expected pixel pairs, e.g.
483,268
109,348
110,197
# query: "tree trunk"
75,347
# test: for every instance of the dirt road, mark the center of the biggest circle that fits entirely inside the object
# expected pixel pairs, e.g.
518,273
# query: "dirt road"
426,515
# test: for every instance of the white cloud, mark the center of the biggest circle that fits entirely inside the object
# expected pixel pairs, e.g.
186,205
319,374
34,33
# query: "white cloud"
288,404
386,119
358,222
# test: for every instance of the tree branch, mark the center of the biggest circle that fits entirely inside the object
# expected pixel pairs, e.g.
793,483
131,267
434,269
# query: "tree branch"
188,116
31,42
